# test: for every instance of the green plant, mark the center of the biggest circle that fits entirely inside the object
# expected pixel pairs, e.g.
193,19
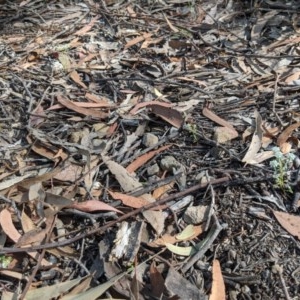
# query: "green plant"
281,165
5,261
193,131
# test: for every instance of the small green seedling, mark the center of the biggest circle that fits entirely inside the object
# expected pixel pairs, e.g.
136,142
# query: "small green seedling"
5,261
281,165
193,131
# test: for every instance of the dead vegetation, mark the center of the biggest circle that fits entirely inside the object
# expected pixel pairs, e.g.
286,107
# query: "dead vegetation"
148,146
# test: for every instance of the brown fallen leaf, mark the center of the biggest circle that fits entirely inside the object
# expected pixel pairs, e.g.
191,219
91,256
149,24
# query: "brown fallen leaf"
140,161
97,99
81,110
162,190
145,104
290,223
212,116
87,27
76,78
35,236
163,110
284,135
46,150
170,115
94,205
218,286
9,229
157,281
131,201
70,172
138,39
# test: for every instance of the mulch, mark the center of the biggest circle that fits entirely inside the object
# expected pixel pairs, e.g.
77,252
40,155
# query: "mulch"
149,145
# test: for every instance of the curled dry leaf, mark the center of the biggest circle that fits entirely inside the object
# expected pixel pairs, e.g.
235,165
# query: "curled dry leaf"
170,115
184,251
283,137
163,110
188,234
250,156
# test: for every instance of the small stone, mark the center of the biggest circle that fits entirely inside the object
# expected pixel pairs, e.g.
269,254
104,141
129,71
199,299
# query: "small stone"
224,134
76,137
152,170
98,144
196,214
150,140
169,162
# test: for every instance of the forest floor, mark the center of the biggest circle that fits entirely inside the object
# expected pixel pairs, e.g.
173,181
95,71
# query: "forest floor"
147,146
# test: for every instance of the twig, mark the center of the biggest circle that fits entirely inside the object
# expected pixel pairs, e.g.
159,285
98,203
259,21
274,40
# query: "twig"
278,269
211,206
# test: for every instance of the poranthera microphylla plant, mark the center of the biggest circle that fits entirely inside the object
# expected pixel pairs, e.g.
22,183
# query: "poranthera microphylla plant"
281,165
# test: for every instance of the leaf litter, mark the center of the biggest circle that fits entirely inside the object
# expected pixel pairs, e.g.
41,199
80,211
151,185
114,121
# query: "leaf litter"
212,96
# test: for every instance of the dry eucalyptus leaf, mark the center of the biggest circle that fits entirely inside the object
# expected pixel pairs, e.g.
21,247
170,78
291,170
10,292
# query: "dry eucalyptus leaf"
156,219
255,144
218,286
125,179
289,222
183,251
283,137
11,231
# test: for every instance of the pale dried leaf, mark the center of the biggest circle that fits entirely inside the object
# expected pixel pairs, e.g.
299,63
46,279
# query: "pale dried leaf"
126,181
27,223
183,251
255,144
96,292
290,223
156,219
10,182
52,291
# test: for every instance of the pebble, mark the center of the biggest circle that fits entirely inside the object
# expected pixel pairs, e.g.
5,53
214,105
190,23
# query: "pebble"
150,140
195,214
